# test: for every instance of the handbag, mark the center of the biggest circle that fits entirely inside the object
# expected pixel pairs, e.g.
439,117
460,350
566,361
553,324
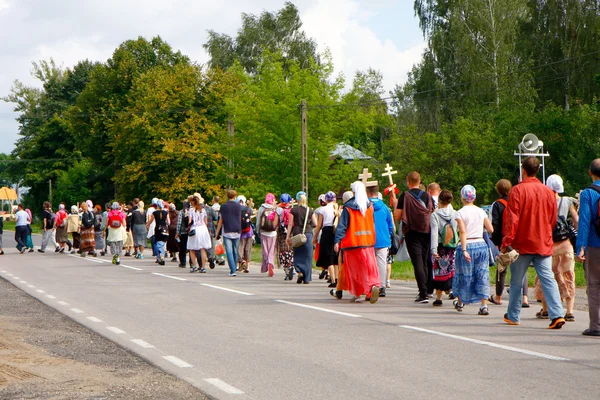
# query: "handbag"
396,242
402,254
299,239
192,232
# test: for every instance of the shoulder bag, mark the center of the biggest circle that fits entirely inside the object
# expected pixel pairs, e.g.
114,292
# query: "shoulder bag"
299,239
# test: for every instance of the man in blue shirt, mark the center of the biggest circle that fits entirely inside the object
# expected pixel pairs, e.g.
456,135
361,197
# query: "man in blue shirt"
230,221
588,246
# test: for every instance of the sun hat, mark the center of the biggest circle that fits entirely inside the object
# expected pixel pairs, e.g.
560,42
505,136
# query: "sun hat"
555,183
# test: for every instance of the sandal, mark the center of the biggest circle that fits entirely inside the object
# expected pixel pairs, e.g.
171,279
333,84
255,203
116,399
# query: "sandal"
570,317
483,310
542,314
458,307
493,301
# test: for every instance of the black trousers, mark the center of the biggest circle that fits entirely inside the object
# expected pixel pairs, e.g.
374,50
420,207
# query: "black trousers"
417,244
183,249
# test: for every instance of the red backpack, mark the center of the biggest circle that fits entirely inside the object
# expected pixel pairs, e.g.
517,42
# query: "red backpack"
115,219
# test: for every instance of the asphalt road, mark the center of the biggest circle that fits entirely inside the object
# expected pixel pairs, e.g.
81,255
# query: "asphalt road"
264,338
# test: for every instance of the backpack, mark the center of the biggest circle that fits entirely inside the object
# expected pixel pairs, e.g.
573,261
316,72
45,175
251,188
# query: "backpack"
450,236
114,220
97,221
246,214
87,219
596,223
61,219
505,203
561,230
266,224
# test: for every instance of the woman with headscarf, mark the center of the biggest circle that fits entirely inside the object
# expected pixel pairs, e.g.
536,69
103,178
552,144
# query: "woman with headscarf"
116,232
355,238
325,234
60,225
129,244
471,282
160,219
246,237
88,242
302,220
172,245
29,231
267,222
285,250
183,224
73,225
199,240
138,222
98,232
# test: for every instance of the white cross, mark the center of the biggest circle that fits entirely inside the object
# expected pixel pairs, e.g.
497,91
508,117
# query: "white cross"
364,177
389,173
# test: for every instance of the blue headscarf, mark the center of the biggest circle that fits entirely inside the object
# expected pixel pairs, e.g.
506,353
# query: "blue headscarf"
285,198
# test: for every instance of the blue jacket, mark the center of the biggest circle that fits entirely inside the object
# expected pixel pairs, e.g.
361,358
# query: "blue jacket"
384,225
588,211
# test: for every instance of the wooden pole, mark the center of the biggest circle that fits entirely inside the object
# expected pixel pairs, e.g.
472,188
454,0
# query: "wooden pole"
304,148
231,131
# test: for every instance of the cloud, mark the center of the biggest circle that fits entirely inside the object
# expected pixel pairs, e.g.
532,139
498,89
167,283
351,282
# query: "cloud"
73,30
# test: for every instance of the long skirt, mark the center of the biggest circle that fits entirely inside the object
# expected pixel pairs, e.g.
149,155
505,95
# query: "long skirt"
172,245
128,239
87,242
285,251
100,242
201,240
443,269
303,258
268,251
360,271
327,256
245,249
139,235
61,235
472,279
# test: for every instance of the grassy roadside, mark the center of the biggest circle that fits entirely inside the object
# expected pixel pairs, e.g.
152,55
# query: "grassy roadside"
10,226
404,271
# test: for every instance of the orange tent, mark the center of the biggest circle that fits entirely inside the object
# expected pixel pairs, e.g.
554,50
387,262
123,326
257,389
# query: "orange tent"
7,193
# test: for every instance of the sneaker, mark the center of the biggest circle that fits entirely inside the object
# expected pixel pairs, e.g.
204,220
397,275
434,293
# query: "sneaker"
127,254
202,270
41,251
336,293
542,314
161,262
508,321
234,274
57,249
557,323
483,310
451,296
374,295
382,292
31,250
355,299
422,300
211,263
193,269
388,284
457,306
23,250
114,260
437,303
141,257
323,274
62,250
118,261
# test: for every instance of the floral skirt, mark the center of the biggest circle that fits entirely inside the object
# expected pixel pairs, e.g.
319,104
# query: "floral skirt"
87,240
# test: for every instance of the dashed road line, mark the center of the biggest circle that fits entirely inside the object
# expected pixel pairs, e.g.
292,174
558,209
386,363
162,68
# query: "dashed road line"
77,310
227,289
130,267
94,319
177,361
17,278
115,329
484,343
50,296
40,291
31,286
169,276
142,343
63,303
319,309
224,386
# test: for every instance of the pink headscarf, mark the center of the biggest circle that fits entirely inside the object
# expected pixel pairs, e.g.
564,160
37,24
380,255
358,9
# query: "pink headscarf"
270,198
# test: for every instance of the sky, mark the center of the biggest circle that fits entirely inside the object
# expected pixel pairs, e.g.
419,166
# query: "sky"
381,34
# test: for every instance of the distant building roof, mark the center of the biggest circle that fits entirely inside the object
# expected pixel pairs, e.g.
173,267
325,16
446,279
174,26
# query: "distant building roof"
348,153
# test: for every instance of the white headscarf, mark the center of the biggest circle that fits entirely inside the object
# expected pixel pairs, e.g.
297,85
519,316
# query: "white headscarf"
360,196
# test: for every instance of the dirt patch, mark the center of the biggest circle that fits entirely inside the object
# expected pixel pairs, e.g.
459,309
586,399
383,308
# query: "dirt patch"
45,355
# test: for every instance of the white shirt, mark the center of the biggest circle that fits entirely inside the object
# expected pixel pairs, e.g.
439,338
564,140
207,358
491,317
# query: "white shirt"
473,218
153,224
22,218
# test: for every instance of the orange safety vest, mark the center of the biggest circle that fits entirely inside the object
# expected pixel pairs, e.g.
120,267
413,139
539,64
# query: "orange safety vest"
361,229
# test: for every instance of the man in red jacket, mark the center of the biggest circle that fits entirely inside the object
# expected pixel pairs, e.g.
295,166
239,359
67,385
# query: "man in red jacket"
531,216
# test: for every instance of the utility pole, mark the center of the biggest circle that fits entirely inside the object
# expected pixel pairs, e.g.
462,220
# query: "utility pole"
230,174
50,191
304,148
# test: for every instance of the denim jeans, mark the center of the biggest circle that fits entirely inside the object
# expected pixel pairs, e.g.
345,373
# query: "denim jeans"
21,233
543,267
153,244
160,249
231,251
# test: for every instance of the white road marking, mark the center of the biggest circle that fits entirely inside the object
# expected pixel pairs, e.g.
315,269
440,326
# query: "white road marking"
77,310
94,319
10,274
3,272
227,388
17,278
129,267
142,343
115,329
228,290
63,303
484,343
86,258
179,362
31,286
40,291
319,309
169,276
50,296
